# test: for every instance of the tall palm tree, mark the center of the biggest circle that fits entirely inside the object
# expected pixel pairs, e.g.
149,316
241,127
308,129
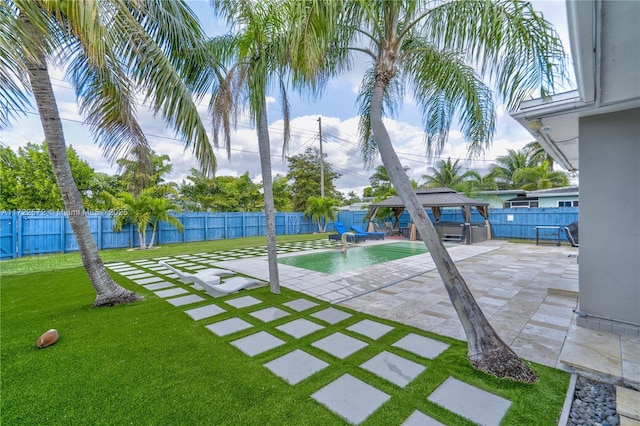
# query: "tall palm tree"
429,46
258,54
447,174
538,154
111,50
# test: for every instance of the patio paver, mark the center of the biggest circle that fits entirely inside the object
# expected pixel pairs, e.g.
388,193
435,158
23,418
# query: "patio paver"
394,368
158,286
299,328
351,398
418,418
371,329
185,300
243,302
148,280
339,345
470,402
171,292
269,314
300,305
204,312
257,343
331,315
229,326
420,345
295,366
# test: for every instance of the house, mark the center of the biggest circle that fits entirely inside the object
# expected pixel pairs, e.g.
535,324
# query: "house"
602,118
566,196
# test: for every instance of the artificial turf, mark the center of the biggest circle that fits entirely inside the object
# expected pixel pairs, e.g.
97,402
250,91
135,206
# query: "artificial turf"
150,363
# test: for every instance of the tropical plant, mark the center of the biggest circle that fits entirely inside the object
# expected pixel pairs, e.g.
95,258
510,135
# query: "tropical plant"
111,50
506,166
539,177
256,55
160,209
137,178
428,46
448,175
321,210
538,154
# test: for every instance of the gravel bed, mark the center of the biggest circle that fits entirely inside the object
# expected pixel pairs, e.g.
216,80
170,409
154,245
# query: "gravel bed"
594,404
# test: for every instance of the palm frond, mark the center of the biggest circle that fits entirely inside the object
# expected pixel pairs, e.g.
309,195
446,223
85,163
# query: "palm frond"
508,40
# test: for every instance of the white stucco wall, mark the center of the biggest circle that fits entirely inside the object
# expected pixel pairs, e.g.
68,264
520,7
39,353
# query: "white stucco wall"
610,220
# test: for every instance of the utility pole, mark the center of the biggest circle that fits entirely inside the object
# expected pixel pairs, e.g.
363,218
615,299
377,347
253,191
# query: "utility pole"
321,158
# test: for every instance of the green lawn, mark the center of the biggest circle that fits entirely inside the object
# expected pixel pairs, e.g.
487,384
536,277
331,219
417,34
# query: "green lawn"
149,363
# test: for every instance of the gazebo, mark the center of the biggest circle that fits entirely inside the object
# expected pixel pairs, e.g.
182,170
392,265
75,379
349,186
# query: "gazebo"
437,199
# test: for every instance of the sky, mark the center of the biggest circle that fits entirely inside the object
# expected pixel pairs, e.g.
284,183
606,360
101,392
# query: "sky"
337,108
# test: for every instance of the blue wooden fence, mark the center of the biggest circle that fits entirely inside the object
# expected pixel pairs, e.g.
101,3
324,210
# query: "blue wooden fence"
26,233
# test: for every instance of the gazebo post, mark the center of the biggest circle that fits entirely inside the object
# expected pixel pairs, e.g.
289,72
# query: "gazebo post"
467,224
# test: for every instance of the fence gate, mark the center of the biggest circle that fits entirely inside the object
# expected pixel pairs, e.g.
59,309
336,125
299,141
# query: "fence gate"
7,236
293,223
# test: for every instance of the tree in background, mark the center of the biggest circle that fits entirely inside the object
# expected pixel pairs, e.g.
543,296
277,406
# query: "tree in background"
111,51
321,210
304,178
27,180
447,174
507,165
282,200
199,193
537,153
136,178
539,177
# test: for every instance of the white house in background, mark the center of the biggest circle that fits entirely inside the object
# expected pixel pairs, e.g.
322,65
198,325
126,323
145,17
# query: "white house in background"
566,196
602,117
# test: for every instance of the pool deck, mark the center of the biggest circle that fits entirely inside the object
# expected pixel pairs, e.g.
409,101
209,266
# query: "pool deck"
527,292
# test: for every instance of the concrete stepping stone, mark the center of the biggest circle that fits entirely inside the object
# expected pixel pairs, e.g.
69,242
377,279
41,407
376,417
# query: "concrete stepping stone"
269,314
470,402
339,345
299,328
351,398
295,366
331,315
243,302
131,272
420,345
158,286
204,312
150,280
300,305
372,329
171,292
109,265
185,300
394,368
257,343
138,276
417,418
231,325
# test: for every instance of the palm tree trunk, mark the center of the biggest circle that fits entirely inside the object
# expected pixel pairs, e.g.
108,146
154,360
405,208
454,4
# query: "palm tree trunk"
108,292
269,207
486,350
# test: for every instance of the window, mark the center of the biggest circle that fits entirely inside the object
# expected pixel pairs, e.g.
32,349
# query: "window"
567,203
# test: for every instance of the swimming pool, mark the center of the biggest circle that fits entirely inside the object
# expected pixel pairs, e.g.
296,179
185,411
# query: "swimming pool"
334,261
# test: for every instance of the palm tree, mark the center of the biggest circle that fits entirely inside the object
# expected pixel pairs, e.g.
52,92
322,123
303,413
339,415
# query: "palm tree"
134,210
258,53
160,209
539,177
507,165
447,175
321,211
111,51
538,154
428,45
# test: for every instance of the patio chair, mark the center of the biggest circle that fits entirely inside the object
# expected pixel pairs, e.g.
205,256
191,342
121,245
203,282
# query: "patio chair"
190,277
392,230
215,288
572,233
371,235
352,238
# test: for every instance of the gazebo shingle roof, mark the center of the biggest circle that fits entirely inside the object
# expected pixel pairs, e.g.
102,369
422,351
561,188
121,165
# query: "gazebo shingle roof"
434,197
